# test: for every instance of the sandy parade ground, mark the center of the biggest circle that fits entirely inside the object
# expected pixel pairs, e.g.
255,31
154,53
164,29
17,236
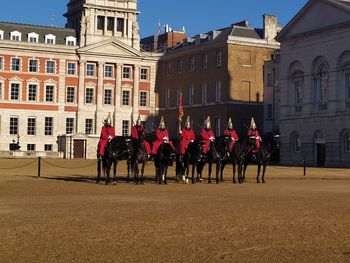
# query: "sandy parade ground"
64,216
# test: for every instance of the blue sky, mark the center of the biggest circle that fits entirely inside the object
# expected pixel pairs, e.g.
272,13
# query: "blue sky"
197,16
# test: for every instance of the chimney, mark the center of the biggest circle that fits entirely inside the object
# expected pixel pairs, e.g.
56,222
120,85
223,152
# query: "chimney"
271,27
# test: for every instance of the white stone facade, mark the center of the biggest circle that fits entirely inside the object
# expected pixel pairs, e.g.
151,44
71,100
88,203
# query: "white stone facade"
314,85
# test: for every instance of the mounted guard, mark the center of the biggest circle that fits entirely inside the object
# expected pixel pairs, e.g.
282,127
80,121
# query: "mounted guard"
186,136
162,135
254,137
230,131
107,134
207,136
137,130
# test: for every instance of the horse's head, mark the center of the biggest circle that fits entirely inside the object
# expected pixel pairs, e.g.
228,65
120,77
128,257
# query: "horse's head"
276,141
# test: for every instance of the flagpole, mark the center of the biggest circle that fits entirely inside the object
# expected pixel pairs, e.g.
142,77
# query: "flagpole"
181,112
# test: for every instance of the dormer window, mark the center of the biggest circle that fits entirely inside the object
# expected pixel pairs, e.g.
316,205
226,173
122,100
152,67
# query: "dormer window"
1,34
16,36
71,41
33,37
50,39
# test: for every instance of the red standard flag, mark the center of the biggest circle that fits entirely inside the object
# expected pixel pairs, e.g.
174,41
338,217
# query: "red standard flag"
181,110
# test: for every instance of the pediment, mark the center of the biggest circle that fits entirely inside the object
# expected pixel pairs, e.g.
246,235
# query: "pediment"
112,47
90,84
50,81
16,79
316,15
33,80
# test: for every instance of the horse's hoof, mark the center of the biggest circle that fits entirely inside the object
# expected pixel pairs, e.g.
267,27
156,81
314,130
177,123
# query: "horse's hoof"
209,182
114,182
217,182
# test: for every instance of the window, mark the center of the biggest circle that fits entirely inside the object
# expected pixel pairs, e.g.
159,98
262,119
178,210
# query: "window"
30,147
1,92
33,65
217,126
32,92
89,96
100,22
15,64
218,58
70,95
246,58
178,93
48,126
31,126
48,147
108,71
190,95
89,126
126,98
50,39
69,125
126,72
108,97
321,84
49,93
347,86
14,91
269,111
143,98
204,93
1,63
179,66
33,37
110,23
71,41
298,97
167,98
14,125
191,64
218,91
204,61
125,128
90,70
144,73
1,34
297,144
168,68
71,67
16,36
50,67
120,24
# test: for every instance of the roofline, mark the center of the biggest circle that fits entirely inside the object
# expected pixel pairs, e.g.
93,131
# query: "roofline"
41,26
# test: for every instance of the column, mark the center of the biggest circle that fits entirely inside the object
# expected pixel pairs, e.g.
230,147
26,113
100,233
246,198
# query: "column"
136,92
61,84
118,83
81,90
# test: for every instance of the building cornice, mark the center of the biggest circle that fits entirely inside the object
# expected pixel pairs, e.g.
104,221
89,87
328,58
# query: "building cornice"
261,43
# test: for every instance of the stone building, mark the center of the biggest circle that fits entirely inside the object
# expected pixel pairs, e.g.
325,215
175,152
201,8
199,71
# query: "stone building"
314,85
219,74
58,84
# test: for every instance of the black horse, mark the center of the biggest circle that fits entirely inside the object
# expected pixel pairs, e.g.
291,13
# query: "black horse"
139,156
190,158
117,149
261,157
164,158
212,156
229,156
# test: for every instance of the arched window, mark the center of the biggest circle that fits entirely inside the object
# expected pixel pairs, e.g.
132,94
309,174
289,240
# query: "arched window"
346,142
321,82
296,142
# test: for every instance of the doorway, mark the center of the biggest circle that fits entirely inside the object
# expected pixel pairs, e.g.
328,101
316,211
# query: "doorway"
79,149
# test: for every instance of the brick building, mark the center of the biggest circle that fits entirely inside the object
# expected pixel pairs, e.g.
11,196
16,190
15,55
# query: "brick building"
220,74
58,84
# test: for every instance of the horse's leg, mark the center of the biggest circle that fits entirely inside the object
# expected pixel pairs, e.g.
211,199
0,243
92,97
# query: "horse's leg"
258,173
107,171
142,171
218,171
234,171
244,170
98,170
222,171
160,175
263,172
165,174
136,172
210,165
193,169
128,162
115,163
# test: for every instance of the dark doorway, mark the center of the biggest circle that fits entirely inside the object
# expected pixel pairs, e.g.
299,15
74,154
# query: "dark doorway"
79,149
321,154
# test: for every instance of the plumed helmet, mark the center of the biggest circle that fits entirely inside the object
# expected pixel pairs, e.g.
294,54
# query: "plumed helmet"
252,124
230,124
188,122
162,123
138,121
108,120
208,123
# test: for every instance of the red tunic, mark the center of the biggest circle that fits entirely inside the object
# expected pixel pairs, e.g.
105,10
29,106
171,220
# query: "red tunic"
186,137
135,131
257,137
207,136
234,137
162,137
106,131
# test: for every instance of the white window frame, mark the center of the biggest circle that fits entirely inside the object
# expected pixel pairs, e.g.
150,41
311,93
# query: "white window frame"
89,70
130,72
190,94
218,89
49,129
29,145
104,96
16,36
54,67
87,125
143,92
75,68
48,147
1,35
53,92
1,63
34,127
50,39
204,93
74,94
71,41
1,89
11,127
218,60
37,84
33,36
73,125
19,90
144,76
37,65
19,66
125,127
122,97
93,95
111,75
